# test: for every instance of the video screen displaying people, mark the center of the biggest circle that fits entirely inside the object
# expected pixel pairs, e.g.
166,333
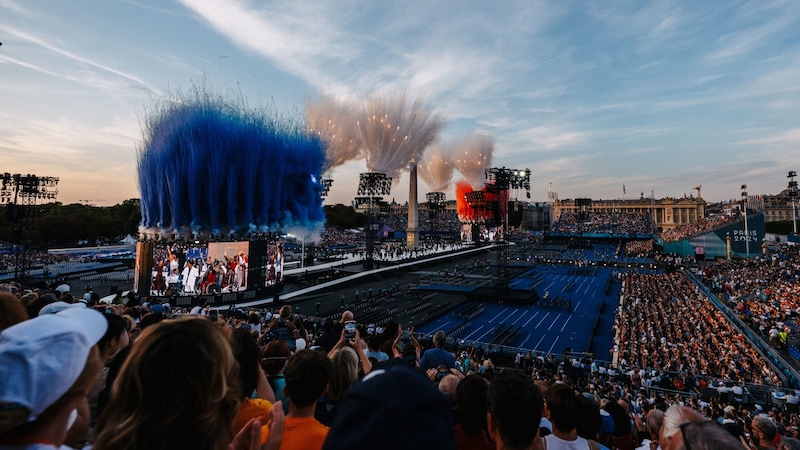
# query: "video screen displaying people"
273,264
199,268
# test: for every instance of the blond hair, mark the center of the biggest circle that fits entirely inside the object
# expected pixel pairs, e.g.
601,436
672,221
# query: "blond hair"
344,373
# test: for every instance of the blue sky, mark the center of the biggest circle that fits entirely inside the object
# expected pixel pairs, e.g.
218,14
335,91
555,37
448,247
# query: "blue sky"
658,95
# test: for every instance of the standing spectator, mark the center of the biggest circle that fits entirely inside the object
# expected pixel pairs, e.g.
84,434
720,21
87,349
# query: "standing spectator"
41,390
563,408
306,379
436,356
514,407
471,428
178,389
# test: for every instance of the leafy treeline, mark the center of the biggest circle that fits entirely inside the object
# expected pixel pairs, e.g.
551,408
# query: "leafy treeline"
57,225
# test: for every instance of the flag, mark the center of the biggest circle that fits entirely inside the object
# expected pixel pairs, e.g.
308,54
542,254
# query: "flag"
623,188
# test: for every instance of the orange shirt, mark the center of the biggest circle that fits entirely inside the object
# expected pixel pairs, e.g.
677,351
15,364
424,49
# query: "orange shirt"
300,433
249,409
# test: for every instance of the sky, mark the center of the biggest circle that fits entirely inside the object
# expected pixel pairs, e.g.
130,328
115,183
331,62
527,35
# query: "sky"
592,97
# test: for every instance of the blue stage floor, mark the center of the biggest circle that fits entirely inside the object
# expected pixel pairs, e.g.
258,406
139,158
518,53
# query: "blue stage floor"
546,329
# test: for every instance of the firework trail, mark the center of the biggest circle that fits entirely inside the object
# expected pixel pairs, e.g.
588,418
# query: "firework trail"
334,122
473,155
393,132
207,165
436,167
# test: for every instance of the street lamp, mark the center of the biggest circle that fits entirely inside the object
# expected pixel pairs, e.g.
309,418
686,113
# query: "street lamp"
793,194
746,232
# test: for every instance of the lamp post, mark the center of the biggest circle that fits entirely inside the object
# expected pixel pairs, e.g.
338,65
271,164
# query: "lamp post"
746,232
793,194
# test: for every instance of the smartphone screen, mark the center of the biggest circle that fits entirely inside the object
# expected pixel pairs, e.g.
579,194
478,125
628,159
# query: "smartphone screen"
350,330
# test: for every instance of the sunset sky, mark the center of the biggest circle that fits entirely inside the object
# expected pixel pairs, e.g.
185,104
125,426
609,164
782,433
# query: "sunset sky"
590,96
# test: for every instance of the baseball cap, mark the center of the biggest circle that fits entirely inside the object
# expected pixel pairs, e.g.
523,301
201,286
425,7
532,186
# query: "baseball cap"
41,358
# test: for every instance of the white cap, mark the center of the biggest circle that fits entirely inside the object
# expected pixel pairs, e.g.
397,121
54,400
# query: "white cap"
59,306
41,358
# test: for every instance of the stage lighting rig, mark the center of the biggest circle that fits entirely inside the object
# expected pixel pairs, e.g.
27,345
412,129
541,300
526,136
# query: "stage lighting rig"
20,193
374,184
326,186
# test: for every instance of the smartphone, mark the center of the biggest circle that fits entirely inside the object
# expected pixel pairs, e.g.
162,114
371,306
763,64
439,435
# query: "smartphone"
350,330
213,315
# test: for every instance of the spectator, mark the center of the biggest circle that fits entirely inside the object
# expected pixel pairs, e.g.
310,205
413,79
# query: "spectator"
307,376
42,389
256,396
177,389
471,428
273,360
763,432
654,419
670,436
563,408
514,406
394,408
11,311
434,357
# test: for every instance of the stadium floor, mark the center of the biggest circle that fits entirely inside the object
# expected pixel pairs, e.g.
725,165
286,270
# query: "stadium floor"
543,328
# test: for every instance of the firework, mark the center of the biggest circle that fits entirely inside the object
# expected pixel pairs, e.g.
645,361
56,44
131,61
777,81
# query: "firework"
436,167
393,132
472,156
207,165
334,122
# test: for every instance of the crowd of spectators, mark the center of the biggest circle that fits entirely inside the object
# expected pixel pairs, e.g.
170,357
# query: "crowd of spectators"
664,322
697,228
603,223
141,375
764,291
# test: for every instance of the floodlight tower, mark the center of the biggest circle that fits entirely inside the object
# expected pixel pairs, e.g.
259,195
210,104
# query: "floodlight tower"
20,193
372,185
501,180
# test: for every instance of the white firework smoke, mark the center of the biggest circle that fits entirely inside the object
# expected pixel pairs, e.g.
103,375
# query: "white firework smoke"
394,132
334,122
436,167
473,155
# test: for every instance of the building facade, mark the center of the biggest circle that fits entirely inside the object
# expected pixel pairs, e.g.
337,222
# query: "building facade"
667,213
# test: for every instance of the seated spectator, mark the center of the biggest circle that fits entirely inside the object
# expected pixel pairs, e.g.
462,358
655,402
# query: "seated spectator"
41,389
306,380
671,435
514,406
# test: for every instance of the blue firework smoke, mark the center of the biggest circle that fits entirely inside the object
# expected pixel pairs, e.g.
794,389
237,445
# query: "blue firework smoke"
207,165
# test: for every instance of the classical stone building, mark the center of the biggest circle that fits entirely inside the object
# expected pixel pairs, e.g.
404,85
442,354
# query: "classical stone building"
667,213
